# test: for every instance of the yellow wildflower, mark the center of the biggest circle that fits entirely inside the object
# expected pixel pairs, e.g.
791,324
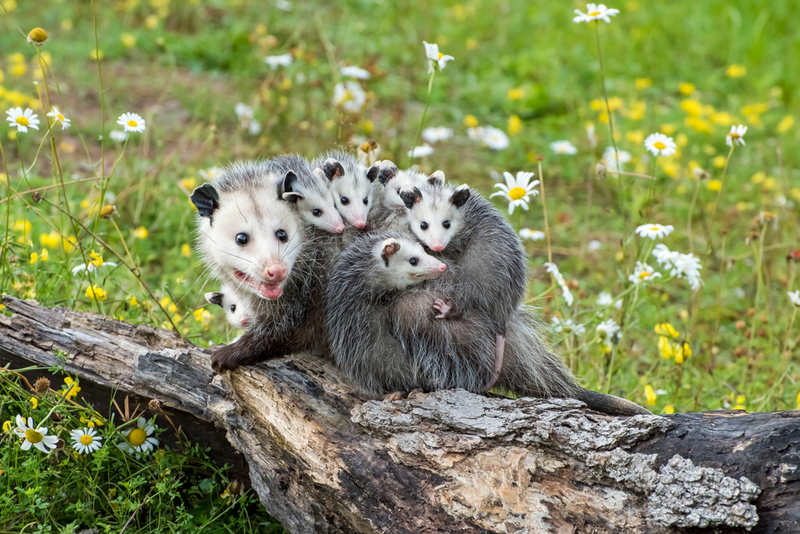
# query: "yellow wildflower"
798,401
664,347
667,129
514,125
722,117
719,161
45,255
472,44
637,111
643,83
516,94
636,137
97,259
7,426
140,233
186,251
96,292
198,314
758,177
34,258
769,183
34,401
650,394
669,409
714,185
692,107
786,123
666,329
755,109
165,301
71,388
23,226
698,124
189,183
470,121
686,88
736,71
684,351
133,302
51,240
681,140
172,308
96,54
128,40
18,69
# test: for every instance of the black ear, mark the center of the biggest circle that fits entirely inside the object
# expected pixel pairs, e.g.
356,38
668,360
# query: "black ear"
410,198
387,172
436,178
460,195
286,188
332,169
390,246
206,199
373,171
214,297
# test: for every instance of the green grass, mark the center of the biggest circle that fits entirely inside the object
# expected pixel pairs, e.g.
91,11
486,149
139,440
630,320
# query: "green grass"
185,75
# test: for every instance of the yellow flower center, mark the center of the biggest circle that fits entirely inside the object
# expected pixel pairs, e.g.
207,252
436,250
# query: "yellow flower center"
60,117
594,13
132,123
137,437
517,193
86,439
659,145
734,135
643,275
655,228
23,121
440,55
33,436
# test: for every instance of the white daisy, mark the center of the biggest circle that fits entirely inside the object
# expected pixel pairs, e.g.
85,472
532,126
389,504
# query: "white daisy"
590,135
595,12
517,190
283,5
736,135
604,299
435,57
654,231
274,62
642,273
349,95
22,120
243,111
681,265
568,327
476,134
611,158
495,138
139,439
609,333
553,269
593,245
118,136
85,440
92,267
439,133
421,151
59,117
660,145
36,436
533,235
794,297
355,72
563,147
131,122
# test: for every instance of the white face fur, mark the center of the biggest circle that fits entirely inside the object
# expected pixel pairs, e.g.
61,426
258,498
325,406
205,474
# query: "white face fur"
405,263
403,181
314,203
353,192
252,239
435,214
239,310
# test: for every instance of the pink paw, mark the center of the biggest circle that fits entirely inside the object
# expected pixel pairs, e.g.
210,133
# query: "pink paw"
442,307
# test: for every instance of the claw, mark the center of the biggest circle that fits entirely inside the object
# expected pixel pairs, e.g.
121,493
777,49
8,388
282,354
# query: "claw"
397,395
442,307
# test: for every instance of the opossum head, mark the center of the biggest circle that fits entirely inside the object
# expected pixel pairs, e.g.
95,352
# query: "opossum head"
395,182
238,309
249,237
435,212
352,186
404,262
313,199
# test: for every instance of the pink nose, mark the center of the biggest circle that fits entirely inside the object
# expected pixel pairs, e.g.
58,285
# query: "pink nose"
437,247
443,267
339,228
360,223
245,321
275,273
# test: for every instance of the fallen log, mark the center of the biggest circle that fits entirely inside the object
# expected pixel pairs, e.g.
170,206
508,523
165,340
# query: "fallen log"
324,459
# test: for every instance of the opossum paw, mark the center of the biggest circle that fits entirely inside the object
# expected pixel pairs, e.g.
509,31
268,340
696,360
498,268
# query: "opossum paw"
226,358
443,308
397,395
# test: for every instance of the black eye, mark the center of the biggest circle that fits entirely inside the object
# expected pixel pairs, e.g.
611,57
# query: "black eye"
233,308
366,201
413,261
446,224
345,201
280,234
424,225
316,212
242,239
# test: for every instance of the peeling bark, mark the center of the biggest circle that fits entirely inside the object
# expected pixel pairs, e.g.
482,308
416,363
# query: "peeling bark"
324,459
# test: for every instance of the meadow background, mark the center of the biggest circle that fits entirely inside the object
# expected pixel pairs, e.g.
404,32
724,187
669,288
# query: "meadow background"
687,69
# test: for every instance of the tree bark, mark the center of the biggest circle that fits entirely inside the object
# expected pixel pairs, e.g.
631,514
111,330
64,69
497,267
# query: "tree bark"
324,459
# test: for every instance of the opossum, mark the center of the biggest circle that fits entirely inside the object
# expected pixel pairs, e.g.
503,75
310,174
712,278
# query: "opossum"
239,309
489,273
352,186
253,240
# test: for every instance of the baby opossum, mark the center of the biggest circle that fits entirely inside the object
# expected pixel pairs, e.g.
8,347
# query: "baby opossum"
253,240
352,185
238,308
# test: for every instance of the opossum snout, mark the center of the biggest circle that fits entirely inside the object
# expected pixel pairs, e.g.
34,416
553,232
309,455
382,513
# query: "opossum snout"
359,223
339,228
244,321
436,247
443,267
275,273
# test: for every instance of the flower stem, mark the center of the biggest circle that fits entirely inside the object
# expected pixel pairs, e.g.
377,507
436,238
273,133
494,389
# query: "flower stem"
722,180
691,214
544,211
422,120
711,360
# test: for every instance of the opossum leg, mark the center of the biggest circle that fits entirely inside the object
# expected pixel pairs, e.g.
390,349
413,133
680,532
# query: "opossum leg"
445,309
397,395
498,360
247,350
